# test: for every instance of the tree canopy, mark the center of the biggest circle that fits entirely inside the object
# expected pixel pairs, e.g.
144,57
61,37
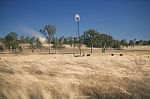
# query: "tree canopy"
11,41
49,31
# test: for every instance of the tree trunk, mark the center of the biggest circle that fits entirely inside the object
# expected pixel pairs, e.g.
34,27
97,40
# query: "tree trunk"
80,48
104,48
49,47
55,50
74,48
91,48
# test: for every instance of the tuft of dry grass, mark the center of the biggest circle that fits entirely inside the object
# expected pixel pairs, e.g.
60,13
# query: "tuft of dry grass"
65,77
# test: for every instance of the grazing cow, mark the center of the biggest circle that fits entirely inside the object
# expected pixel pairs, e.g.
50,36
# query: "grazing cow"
88,54
112,54
121,54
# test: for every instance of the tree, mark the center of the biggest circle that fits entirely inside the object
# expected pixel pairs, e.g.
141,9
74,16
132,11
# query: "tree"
1,44
137,43
89,38
27,39
92,38
134,41
70,40
148,42
1,48
49,31
38,43
11,41
104,43
141,42
116,44
1,40
61,39
32,43
58,44
55,43
22,39
131,43
123,43
145,42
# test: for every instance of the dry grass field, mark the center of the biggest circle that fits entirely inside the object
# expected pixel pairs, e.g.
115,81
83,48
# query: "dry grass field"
63,76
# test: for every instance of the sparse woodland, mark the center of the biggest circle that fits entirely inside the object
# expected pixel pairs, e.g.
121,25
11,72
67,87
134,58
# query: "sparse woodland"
90,38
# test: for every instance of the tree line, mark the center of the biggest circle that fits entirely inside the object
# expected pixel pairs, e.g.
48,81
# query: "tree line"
91,38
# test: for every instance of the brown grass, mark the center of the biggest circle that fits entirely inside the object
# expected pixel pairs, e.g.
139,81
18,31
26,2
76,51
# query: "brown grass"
62,76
